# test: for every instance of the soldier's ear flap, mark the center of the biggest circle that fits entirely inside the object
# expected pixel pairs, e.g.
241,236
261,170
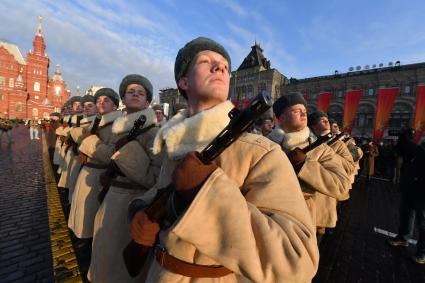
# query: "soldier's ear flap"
183,83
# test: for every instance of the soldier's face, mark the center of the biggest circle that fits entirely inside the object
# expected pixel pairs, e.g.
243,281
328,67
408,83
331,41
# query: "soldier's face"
335,128
90,109
76,107
322,126
294,118
159,115
105,105
135,98
267,126
207,79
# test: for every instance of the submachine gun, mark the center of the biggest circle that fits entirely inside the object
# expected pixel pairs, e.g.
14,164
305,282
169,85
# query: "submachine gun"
335,138
113,170
134,254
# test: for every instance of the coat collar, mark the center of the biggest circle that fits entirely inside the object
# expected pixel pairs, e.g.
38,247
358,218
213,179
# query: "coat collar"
107,118
297,139
125,123
182,134
87,120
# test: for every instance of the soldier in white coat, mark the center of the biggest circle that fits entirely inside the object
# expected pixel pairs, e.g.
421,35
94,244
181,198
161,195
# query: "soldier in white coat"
232,220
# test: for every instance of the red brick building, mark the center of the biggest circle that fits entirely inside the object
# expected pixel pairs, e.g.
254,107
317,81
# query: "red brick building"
26,91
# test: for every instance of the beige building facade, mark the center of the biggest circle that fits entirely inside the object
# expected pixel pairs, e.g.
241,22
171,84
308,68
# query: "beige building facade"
369,80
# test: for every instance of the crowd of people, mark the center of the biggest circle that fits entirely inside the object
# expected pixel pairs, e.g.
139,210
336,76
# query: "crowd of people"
257,212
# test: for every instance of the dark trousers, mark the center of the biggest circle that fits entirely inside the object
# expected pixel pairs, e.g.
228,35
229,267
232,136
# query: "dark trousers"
411,210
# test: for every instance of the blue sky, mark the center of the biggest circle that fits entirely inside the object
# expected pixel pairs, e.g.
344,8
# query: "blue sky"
99,42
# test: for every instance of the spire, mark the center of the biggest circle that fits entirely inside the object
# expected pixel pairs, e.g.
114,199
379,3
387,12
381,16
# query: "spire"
255,58
58,74
40,29
38,43
78,91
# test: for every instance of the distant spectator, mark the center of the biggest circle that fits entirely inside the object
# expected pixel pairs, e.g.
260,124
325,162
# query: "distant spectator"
6,129
412,205
371,151
34,126
267,126
159,112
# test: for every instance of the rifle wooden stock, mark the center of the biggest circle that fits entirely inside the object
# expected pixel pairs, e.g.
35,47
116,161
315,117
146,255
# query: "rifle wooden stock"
79,118
96,123
134,254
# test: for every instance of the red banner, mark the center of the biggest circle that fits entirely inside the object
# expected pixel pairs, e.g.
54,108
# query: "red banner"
246,102
386,98
323,101
351,103
305,97
419,120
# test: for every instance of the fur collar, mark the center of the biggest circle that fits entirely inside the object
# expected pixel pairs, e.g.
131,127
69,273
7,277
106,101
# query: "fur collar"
182,134
111,116
125,123
87,120
297,139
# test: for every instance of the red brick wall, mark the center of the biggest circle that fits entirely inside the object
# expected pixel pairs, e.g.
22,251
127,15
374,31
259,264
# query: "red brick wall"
25,101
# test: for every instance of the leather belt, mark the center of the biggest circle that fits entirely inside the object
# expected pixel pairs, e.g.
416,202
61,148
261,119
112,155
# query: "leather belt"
96,166
187,269
126,185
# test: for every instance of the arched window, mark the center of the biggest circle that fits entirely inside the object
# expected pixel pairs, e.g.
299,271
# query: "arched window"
36,86
365,116
18,107
336,112
35,112
401,115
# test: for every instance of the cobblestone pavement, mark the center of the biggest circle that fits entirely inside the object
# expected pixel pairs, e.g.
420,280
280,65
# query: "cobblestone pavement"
25,252
35,245
354,252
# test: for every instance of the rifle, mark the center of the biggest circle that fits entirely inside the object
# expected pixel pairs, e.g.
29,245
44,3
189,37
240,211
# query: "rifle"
79,118
319,141
96,123
134,254
82,158
332,141
113,170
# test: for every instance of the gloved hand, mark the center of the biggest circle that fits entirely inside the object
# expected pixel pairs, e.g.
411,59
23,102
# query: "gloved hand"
190,174
143,231
297,158
121,142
